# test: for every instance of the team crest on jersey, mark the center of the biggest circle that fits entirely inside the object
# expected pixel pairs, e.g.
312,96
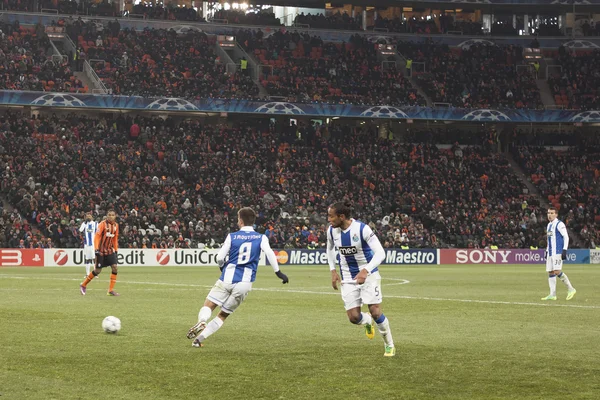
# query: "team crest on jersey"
550,234
355,238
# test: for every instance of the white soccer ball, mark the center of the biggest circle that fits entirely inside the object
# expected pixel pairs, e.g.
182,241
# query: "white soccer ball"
384,112
172,104
58,100
279,107
111,324
486,115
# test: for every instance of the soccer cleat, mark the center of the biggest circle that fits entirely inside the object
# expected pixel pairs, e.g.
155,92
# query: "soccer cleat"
196,343
549,297
82,289
571,293
390,351
370,330
112,293
196,330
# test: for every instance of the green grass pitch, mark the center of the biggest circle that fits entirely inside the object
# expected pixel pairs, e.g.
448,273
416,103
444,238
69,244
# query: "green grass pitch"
461,332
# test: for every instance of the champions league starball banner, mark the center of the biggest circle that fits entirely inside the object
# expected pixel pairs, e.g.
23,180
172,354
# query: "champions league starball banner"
273,108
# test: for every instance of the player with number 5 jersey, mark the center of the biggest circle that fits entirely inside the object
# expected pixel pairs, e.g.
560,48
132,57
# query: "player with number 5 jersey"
238,260
359,253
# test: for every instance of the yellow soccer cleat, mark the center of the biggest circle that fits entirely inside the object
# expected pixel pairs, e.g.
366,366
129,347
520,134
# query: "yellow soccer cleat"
370,330
549,297
390,351
571,294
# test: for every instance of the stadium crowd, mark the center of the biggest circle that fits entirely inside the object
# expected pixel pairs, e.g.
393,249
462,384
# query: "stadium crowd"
302,68
178,184
333,21
570,179
26,62
478,76
576,86
159,63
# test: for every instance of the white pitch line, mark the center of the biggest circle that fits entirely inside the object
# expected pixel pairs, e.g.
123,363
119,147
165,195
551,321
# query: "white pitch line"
400,281
331,293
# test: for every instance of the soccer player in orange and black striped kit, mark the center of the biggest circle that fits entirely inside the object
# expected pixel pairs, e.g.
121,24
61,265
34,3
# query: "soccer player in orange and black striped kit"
106,243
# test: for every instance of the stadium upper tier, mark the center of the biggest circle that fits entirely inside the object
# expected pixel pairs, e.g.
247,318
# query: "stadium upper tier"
298,72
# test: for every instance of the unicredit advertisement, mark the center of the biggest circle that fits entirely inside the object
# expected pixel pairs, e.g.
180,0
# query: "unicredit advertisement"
138,257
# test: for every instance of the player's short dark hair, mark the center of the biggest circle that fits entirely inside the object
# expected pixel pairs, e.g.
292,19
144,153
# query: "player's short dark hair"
247,215
110,210
343,208
553,209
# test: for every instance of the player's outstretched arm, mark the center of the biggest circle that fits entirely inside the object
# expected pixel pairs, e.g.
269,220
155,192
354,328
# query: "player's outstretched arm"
272,258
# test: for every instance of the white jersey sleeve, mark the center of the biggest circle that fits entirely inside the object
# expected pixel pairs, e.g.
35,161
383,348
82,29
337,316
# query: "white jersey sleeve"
331,256
269,253
224,251
562,228
378,252
82,227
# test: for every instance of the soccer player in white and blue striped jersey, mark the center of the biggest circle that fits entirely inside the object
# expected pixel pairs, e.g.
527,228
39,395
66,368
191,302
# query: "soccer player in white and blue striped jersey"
556,252
88,228
237,275
359,254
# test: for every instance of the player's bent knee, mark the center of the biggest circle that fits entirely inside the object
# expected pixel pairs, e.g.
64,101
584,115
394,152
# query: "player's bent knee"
354,317
223,315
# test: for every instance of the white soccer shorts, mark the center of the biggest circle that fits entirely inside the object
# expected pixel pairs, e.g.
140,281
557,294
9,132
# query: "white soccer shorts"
368,293
89,253
554,263
229,296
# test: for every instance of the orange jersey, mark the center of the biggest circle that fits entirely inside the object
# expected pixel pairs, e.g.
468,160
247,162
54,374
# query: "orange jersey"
107,238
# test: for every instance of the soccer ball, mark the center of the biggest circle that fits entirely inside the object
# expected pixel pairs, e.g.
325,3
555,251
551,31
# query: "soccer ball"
58,100
111,324
279,108
172,104
587,116
384,112
486,115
